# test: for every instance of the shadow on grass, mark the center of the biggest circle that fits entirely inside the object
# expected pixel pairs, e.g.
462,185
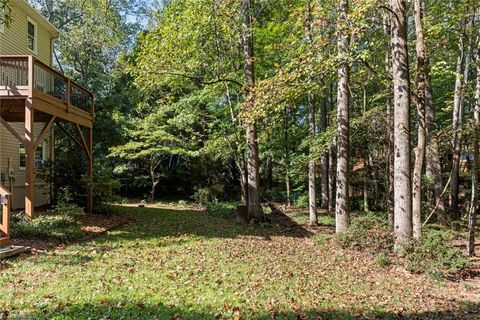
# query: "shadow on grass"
157,223
120,310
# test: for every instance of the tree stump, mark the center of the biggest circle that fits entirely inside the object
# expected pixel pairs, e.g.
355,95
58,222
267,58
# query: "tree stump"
241,214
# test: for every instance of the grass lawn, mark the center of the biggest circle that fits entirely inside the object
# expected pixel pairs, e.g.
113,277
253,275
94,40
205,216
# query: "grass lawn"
180,264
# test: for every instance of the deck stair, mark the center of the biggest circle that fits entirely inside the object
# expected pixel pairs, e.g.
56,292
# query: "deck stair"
6,248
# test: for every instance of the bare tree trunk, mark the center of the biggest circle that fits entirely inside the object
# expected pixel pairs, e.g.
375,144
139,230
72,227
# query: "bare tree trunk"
324,159
243,178
472,214
332,178
254,210
401,98
312,192
239,152
463,61
420,150
433,165
287,157
312,189
342,214
268,172
391,158
366,208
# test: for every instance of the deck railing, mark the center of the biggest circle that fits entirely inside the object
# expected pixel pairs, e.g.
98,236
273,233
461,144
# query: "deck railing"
27,71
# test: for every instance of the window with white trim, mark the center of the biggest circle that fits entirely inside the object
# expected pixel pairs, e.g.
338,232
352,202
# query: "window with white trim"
31,35
39,156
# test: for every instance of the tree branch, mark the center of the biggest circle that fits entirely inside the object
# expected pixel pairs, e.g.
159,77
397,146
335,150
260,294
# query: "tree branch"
218,80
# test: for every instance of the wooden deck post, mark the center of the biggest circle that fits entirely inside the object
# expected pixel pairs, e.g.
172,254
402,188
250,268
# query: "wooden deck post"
29,144
89,143
5,223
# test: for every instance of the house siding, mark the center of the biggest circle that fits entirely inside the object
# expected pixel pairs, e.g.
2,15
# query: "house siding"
9,152
13,40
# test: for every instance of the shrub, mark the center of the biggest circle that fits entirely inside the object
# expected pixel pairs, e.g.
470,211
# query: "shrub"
435,255
368,232
60,227
222,209
182,203
302,201
383,259
65,204
205,196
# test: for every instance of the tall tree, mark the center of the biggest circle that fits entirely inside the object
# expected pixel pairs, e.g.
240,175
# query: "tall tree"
391,135
462,71
401,98
253,163
342,213
324,163
420,102
312,189
472,215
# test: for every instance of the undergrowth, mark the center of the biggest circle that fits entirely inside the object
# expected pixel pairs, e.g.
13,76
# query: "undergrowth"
58,226
434,254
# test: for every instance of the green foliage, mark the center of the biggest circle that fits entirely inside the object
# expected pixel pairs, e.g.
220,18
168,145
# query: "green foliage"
205,196
368,232
436,255
105,186
65,205
224,210
61,227
302,201
383,259
5,13
322,240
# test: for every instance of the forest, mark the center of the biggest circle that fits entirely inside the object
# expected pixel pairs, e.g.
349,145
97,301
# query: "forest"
346,131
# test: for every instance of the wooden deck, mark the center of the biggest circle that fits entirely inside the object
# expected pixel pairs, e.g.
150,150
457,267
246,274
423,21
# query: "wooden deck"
51,93
31,91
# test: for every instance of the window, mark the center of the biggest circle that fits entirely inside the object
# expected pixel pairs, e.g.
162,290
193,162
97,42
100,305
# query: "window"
39,156
31,35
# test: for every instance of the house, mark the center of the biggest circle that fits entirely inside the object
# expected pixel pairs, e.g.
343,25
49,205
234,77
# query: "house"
35,99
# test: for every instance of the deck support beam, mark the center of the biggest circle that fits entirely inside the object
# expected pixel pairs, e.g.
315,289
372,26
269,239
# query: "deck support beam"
11,130
44,132
29,144
89,145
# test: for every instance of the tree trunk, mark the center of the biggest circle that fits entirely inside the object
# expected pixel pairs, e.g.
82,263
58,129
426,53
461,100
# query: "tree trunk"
268,172
312,192
324,159
287,157
342,214
366,207
254,210
401,99
239,152
472,214
243,178
458,106
421,142
433,165
391,157
332,178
